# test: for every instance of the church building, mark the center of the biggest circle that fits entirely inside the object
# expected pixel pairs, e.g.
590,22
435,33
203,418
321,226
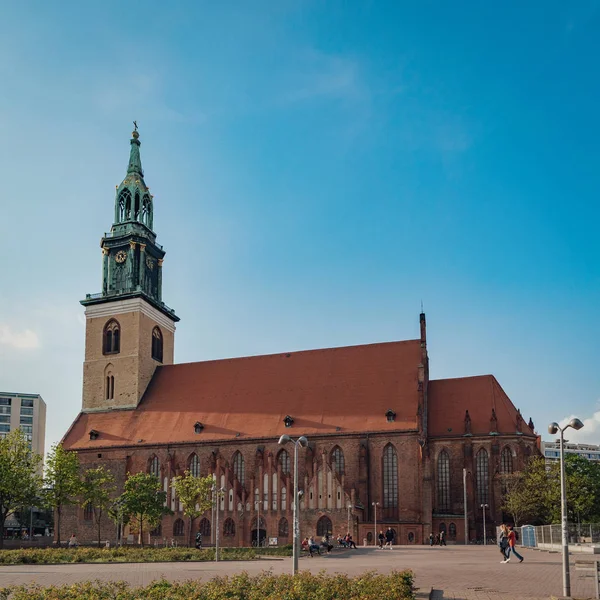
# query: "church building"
388,446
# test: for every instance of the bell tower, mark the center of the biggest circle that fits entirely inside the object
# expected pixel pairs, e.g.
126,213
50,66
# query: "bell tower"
129,329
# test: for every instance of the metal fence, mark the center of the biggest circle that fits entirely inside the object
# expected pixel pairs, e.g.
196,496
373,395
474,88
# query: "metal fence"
550,536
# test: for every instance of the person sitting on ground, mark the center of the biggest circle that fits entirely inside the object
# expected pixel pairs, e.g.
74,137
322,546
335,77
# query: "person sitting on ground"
350,542
381,538
73,543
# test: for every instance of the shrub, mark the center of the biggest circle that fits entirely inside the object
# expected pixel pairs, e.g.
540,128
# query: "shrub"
304,586
47,556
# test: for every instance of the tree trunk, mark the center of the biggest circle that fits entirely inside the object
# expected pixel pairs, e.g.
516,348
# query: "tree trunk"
99,518
2,521
190,532
58,511
142,532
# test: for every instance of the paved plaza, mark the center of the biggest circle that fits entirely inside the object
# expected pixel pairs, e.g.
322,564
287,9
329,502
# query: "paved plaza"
459,572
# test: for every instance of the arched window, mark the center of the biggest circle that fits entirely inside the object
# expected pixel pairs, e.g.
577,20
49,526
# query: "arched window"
390,477
482,476
136,213
283,499
443,481
110,387
284,528
452,531
147,211
178,527
157,344
204,527
195,466
154,466
111,338
229,528
284,461
337,461
88,512
239,469
506,465
443,527
124,205
324,526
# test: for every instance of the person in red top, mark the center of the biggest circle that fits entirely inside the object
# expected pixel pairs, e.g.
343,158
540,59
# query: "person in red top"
512,539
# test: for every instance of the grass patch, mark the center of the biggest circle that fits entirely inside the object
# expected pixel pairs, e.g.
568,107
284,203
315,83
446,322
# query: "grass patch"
50,556
304,586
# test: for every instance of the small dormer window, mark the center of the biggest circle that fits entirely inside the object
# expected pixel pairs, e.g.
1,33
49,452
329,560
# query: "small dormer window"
198,427
390,415
288,421
94,434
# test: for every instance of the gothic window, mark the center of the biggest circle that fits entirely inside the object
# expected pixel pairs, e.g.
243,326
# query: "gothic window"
337,461
324,526
229,528
124,205
88,512
239,469
204,527
390,477
110,387
157,344
452,531
482,476
443,481
111,338
283,499
195,466
506,461
136,213
284,528
178,527
284,461
146,211
154,466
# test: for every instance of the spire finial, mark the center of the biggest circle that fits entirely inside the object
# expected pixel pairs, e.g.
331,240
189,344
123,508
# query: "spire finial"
135,133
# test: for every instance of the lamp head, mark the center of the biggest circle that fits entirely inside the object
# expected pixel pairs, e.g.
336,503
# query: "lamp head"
576,424
553,428
303,441
284,439
300,494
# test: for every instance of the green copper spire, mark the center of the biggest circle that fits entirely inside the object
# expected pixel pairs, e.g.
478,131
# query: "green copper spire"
135,162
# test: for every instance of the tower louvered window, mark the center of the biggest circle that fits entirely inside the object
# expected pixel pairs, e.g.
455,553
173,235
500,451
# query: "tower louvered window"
157,344
111,338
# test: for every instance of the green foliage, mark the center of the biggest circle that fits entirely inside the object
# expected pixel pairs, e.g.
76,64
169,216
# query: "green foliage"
62,481
266,586
195,494
19,478
136,554
97,489
143,502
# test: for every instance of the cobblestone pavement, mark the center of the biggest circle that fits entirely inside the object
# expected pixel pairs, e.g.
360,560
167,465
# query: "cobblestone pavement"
458,572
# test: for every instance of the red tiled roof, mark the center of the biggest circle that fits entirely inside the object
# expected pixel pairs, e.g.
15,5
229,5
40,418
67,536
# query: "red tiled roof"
348,388
450,398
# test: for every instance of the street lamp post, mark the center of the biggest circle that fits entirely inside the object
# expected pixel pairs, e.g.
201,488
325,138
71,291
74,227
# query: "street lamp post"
553,428
349,507
465,506
303,442
375,505
218,494
484,506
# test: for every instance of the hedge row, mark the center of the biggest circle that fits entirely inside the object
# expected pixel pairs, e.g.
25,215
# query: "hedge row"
47,556
305,586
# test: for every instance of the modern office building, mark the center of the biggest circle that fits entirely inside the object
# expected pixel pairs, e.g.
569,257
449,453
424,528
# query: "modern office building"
27,411
551,450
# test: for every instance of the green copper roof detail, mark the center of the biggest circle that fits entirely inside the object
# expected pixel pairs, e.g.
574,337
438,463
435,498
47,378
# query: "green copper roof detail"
135,162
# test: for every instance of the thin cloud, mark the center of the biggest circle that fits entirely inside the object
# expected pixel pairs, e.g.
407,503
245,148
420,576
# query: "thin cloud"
589,434
19,340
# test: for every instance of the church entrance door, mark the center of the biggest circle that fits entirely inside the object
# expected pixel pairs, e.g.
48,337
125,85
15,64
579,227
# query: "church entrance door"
259,537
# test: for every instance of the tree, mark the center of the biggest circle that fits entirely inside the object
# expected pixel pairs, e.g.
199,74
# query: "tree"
143,501
97,488
62,481
195,495
20,480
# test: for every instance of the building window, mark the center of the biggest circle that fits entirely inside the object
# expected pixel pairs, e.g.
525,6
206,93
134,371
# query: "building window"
26,411
195,466
4,418
337,461
284,528
452,531
110,387
284,461
27,430
443,481
4,427
27,402
507,461
111,343
26,420
88,512
283,499
5,401
157,344
482,476
5,410
204,527
154,467
229,528
390,477
324,526
178,527
239,470
157,531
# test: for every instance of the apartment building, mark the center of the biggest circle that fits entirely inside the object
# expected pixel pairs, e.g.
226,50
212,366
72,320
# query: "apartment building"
27,411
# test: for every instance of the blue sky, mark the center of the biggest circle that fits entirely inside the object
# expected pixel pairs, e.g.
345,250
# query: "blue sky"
319,169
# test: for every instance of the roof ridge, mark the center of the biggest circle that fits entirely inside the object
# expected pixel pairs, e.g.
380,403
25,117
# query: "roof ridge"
463,378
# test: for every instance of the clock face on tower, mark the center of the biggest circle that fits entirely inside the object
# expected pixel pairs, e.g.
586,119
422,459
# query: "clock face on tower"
121,256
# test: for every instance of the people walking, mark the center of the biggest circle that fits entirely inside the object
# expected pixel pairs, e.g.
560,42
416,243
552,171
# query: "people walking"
431,539
389,538
503,543
512,541
442,538
381,539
